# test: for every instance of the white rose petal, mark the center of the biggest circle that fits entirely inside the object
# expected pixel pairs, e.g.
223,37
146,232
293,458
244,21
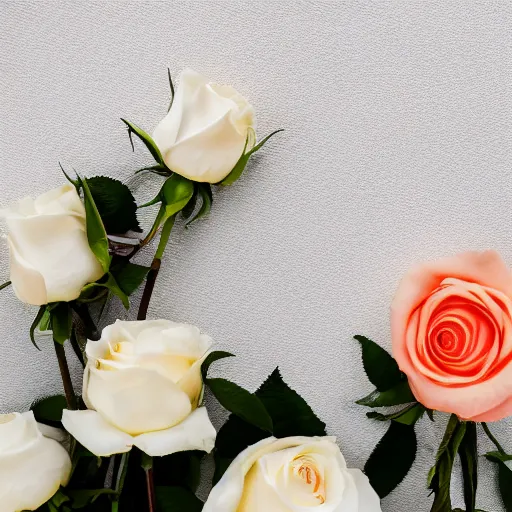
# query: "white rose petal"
32,466
50,256
194,433
295,474
204,134
142,386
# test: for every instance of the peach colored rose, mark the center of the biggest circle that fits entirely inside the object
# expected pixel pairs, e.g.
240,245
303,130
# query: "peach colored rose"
451,325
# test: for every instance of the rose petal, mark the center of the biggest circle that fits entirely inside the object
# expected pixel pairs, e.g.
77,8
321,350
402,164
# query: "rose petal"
194,433
96,434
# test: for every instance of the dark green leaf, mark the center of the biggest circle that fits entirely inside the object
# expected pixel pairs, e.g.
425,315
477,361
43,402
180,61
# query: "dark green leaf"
290,413
291,416
129,276
205,190
211,358
400,394
188,210
83,497
146,139
382,370
392,458
469,462
182,469
240,402
61,322
34,325
96,234
76,182
176,499
109,282
49,409
439,477
504,477
5,285
239,168
498,457
115,203
160,170
408,416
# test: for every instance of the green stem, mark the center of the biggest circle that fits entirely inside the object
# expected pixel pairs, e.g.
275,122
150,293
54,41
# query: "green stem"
493,439
164,237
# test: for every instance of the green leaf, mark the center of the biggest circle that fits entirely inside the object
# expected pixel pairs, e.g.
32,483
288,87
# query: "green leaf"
34,325
83,497
239,168
146,139
61,322
498,457
400,394
129,276
5,285
175,194
188,210
240,402
49,409
96,234
182,469
408,416
439,477
382,370
392,458
205,191
290,413
211,358
115,203
291,416
176,499
468,454
158,169
109,282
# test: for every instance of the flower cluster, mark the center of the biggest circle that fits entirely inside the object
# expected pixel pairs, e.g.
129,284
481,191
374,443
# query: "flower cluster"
134,438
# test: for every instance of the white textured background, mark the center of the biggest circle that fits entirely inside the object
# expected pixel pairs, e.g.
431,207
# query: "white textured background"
397,149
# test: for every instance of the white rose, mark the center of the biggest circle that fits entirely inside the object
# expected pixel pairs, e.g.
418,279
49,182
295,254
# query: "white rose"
32,465
143,387
204,134
51,259
295,474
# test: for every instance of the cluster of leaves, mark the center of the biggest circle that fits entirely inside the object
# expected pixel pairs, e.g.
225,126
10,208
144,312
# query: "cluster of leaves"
387,466
273,410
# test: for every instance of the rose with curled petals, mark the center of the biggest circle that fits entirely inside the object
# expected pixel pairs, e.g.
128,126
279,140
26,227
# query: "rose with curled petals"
451,324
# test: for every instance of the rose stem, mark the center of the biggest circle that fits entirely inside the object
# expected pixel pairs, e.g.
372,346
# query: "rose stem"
155,268
151,489
142,314
493,439
66,377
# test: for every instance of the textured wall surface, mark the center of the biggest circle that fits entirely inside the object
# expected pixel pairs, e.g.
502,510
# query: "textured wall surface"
397,149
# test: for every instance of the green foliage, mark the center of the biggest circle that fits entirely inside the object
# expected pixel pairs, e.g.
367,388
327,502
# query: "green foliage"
61,321
205,191
291,416
239,168
182,469
382,370
468,454
241,402
504,477
115,203
108,282
392,458
408,416
398,395
49,410
146,140
35,324
96,234
129,276
211,358
176,499
439,477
